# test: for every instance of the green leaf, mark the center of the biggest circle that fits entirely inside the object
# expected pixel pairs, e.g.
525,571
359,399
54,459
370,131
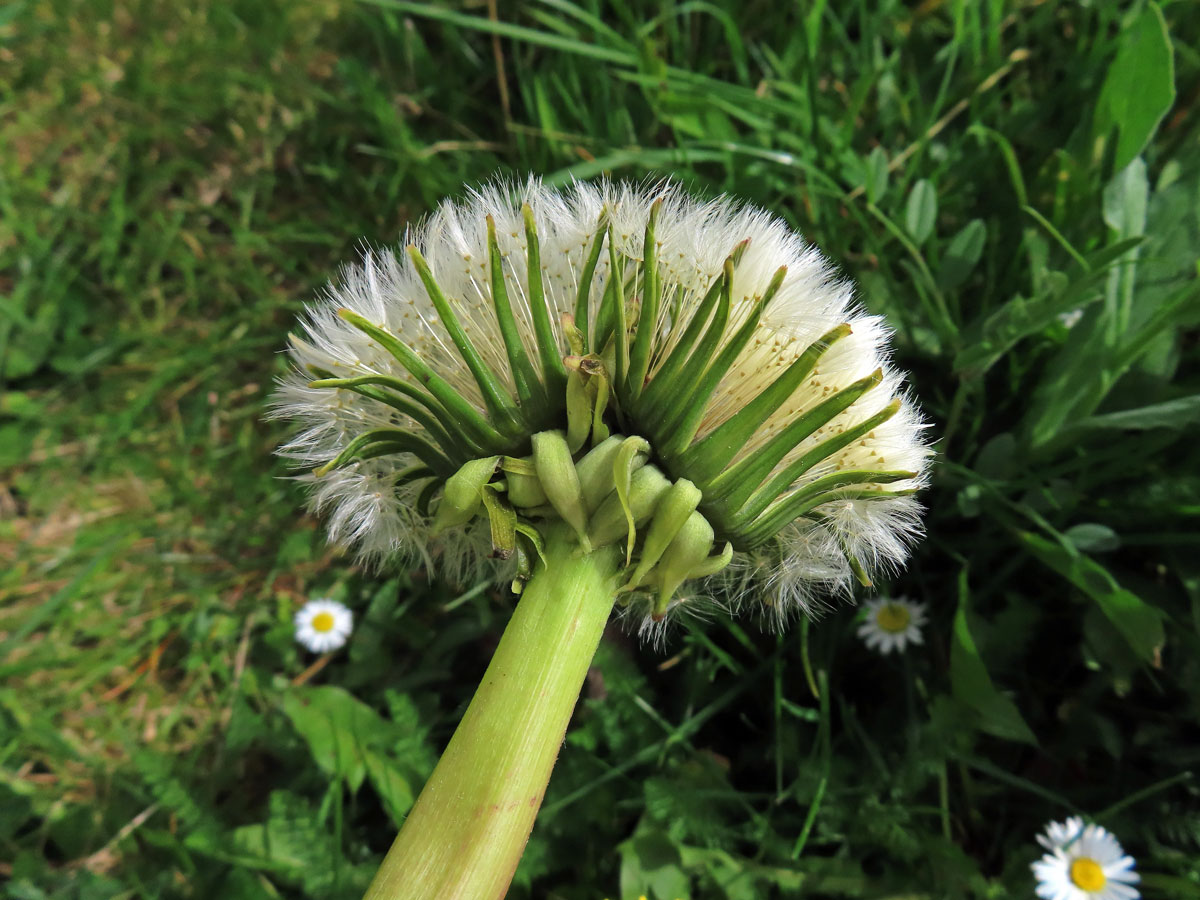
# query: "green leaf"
813,494
1125,202
350,741
973,687
337,728
443,429
962,254
1092,537
390,784
998,458
503,520
666,382
33,344
294,845
877,174
1011,163
1085,370
1125,199
651,864
745,481
1139,623
920,215
462,495
986,340
615,302
383,441
1139,87
1177,414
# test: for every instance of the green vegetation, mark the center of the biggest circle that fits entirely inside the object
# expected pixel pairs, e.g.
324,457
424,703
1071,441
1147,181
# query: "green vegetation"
177,179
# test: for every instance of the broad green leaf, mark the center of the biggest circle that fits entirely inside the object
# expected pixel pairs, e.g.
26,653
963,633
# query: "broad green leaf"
1125,198
1139,623
1125,201
920,215
962,254
1172,246
972,686
1139,87
337,728
350,741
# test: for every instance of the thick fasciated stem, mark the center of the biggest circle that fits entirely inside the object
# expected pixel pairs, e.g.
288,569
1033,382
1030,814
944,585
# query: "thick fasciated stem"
468,829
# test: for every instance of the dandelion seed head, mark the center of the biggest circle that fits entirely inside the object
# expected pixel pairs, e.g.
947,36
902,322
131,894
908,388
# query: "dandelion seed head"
795,567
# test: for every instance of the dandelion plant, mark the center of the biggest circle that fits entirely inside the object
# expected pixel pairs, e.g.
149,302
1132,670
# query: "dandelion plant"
612,396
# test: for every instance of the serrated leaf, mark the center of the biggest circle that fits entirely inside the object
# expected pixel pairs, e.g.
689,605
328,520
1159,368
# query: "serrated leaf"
350,741
336,728
296,846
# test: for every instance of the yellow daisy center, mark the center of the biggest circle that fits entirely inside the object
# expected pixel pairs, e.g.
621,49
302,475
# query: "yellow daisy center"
893,618
1087,875
322,622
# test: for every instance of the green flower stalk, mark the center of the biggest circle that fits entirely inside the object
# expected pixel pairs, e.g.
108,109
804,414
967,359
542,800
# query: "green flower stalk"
611,396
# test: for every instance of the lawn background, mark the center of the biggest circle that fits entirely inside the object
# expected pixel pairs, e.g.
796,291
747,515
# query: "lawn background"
176,180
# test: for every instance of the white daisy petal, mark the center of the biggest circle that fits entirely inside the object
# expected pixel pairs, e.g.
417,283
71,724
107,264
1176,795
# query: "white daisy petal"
1122,870
1121,891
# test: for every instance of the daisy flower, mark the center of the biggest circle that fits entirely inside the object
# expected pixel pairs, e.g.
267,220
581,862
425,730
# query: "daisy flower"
1084,862
892,624
323,625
